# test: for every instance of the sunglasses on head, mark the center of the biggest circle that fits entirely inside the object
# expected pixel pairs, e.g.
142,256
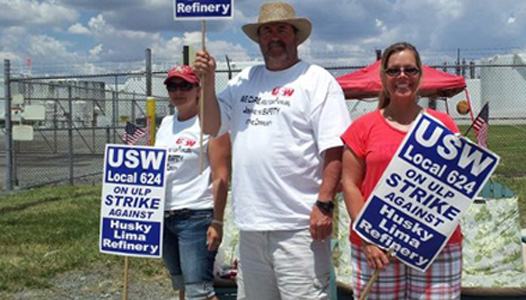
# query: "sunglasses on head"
410,71
183,86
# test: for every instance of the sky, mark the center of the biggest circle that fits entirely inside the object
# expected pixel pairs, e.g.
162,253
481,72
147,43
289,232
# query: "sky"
97,36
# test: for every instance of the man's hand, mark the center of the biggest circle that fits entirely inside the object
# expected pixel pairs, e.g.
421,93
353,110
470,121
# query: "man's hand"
214,236
204,64
320,224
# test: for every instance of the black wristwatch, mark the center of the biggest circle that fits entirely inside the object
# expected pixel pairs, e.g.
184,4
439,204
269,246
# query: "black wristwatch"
325,206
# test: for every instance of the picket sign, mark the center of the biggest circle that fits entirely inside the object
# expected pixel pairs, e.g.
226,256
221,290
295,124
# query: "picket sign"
430,182
132,203
203,10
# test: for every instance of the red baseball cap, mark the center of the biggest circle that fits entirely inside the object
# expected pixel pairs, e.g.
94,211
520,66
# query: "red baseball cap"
184,72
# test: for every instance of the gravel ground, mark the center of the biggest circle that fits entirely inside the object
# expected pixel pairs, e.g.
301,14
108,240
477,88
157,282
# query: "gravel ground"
100,283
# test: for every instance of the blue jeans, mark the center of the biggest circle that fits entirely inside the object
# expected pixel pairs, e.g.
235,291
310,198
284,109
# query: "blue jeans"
185,252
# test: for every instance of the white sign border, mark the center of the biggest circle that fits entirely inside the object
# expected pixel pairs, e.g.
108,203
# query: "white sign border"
384,176
176,18
161,229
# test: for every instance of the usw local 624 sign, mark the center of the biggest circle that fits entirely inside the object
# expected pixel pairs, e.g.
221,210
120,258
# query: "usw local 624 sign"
203,9
132,202
432,179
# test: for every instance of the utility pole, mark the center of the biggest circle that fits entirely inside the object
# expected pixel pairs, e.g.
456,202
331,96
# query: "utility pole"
457,69
148,72
186,55
8,126
229,68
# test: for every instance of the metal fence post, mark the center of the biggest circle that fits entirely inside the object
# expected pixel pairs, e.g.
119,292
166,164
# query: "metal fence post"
114,115
8,128
134,102
55,121
148,72
108,136
70,134
117,114
229,68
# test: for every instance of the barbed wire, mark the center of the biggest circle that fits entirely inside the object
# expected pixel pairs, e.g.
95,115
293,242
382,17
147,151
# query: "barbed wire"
356,57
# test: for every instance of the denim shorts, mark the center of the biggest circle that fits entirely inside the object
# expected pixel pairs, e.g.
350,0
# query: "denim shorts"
185,252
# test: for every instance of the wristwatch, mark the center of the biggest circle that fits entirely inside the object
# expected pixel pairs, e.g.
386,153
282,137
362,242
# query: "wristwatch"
325,206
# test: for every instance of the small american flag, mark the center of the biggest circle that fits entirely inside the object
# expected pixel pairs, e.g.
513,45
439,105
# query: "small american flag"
132,134
480,126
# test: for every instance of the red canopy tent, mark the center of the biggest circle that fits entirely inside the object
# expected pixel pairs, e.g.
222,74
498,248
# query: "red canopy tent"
366,83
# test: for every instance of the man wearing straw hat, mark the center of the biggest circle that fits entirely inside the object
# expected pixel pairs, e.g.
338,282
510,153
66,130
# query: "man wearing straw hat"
285,118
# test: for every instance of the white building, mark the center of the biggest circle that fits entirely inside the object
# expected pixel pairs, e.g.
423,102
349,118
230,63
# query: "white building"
503,85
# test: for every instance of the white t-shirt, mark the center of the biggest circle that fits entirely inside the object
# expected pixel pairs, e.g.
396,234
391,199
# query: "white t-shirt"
280,124
186,187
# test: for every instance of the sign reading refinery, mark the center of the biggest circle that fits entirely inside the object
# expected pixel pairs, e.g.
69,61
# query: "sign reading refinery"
203,9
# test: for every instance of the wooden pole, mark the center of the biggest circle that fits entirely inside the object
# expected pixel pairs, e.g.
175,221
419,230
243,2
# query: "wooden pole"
202,102
125,286
370,285
373,279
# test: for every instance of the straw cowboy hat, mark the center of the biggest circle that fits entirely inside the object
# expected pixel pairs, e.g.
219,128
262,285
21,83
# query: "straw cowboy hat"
279,12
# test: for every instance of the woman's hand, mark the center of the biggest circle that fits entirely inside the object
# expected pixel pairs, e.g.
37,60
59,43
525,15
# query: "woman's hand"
376,257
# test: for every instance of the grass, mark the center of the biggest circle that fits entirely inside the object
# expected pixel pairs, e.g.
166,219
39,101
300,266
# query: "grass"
518,185
509,142
49,231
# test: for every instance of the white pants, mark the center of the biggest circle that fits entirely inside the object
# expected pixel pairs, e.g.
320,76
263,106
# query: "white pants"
287,265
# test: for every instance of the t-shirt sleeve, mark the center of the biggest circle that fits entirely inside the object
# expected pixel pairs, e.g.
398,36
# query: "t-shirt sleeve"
446,120
158,134
450,124
329,115
354,138
224,99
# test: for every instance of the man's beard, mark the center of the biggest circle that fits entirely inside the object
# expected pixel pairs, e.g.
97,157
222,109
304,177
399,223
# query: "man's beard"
282,48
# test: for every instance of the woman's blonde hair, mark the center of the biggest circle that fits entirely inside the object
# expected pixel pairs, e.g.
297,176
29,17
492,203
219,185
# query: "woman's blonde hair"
384,98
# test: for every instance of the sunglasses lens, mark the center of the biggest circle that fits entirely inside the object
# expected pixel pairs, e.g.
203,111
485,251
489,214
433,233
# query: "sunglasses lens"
397,71
411,71
183,86
393,72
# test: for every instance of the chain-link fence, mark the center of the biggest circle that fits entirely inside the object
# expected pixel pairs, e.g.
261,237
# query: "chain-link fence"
81,116
84,113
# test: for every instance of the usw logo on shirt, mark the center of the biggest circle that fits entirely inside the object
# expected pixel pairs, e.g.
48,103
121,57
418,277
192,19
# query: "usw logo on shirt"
185,142
282,91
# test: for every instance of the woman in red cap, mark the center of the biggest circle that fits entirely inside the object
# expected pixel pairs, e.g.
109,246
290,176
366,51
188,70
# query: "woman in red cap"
195,199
